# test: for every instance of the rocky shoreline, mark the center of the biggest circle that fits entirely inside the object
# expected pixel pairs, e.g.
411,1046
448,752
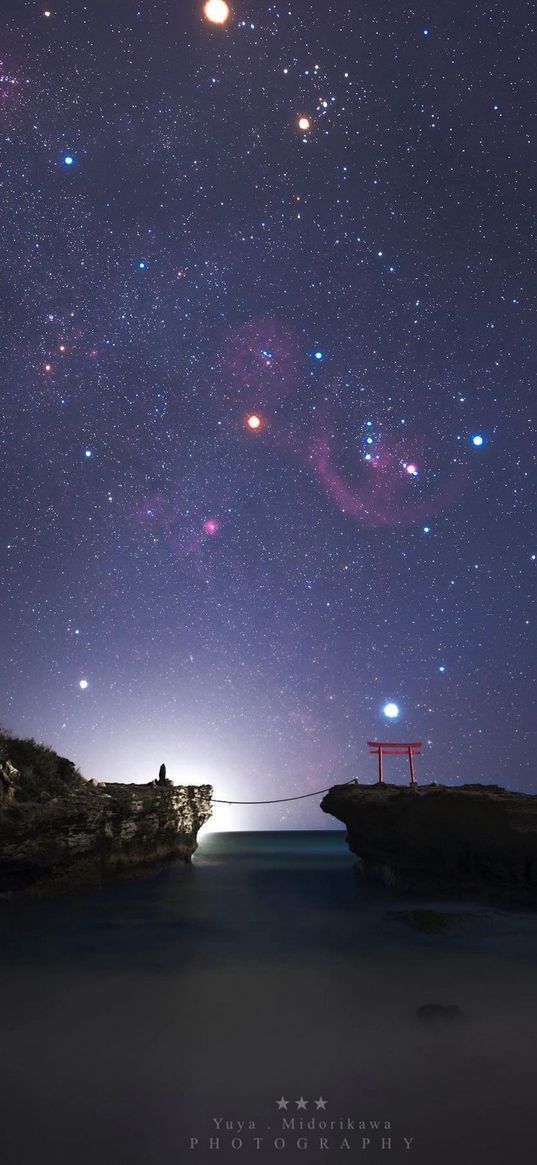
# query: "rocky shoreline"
441,839
58,830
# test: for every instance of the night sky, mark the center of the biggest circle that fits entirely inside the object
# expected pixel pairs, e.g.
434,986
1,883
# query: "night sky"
268,391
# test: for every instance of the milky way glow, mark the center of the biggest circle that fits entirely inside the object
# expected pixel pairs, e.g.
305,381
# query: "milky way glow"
391,711
216,11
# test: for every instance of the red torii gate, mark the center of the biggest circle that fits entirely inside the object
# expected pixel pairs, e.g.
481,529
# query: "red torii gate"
409,749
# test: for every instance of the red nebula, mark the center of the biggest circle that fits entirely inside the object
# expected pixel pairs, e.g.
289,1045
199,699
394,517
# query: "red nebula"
211,527
381,498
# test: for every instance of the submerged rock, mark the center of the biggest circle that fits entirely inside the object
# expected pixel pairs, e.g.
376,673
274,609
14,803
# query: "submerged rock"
432,838
439,1012
435,921
58,829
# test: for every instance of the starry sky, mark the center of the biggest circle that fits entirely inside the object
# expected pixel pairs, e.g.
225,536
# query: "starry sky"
267,291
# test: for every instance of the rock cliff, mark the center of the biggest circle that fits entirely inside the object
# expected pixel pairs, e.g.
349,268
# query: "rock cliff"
58,829
433,838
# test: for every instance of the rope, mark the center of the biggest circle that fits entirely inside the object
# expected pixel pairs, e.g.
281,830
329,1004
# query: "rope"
277,800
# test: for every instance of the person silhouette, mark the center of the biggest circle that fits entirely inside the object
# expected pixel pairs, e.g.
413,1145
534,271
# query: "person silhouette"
162,774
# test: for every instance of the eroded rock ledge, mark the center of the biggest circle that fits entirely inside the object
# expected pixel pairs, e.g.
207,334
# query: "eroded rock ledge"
57,829
436,838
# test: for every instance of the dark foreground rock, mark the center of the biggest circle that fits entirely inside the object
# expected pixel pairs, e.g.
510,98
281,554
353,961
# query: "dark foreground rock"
58,830
432,838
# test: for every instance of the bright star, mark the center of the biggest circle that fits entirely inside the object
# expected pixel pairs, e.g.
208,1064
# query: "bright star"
142,265
391,711
426,529
68,160
83,684
304,123
254,422
318,355
478,440
88,453
412,470
216,11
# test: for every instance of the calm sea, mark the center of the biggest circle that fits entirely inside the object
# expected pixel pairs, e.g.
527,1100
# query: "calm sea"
160,1019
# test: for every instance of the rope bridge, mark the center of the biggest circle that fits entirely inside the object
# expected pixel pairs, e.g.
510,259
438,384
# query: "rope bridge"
279,800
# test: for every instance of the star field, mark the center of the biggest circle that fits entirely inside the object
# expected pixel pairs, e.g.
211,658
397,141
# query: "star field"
268,395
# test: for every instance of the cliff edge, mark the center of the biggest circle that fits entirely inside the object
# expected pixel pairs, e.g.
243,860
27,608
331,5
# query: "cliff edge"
431,838
56,828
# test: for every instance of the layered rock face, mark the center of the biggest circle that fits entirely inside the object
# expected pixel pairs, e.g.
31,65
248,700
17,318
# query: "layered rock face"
437,838
71,829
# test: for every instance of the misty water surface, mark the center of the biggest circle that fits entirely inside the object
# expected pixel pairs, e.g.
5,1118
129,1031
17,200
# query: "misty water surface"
136,1015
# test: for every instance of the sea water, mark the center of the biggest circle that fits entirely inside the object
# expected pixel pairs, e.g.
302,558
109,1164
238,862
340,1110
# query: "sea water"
261,1005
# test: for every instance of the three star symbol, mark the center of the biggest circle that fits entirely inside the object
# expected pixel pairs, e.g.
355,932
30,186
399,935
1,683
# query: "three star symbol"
301,1103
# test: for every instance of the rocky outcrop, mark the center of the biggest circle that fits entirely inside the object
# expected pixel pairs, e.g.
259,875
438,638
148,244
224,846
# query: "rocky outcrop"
431,838
87,829
8,773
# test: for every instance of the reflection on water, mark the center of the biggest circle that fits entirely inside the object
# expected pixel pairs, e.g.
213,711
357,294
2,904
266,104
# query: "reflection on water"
135,1016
